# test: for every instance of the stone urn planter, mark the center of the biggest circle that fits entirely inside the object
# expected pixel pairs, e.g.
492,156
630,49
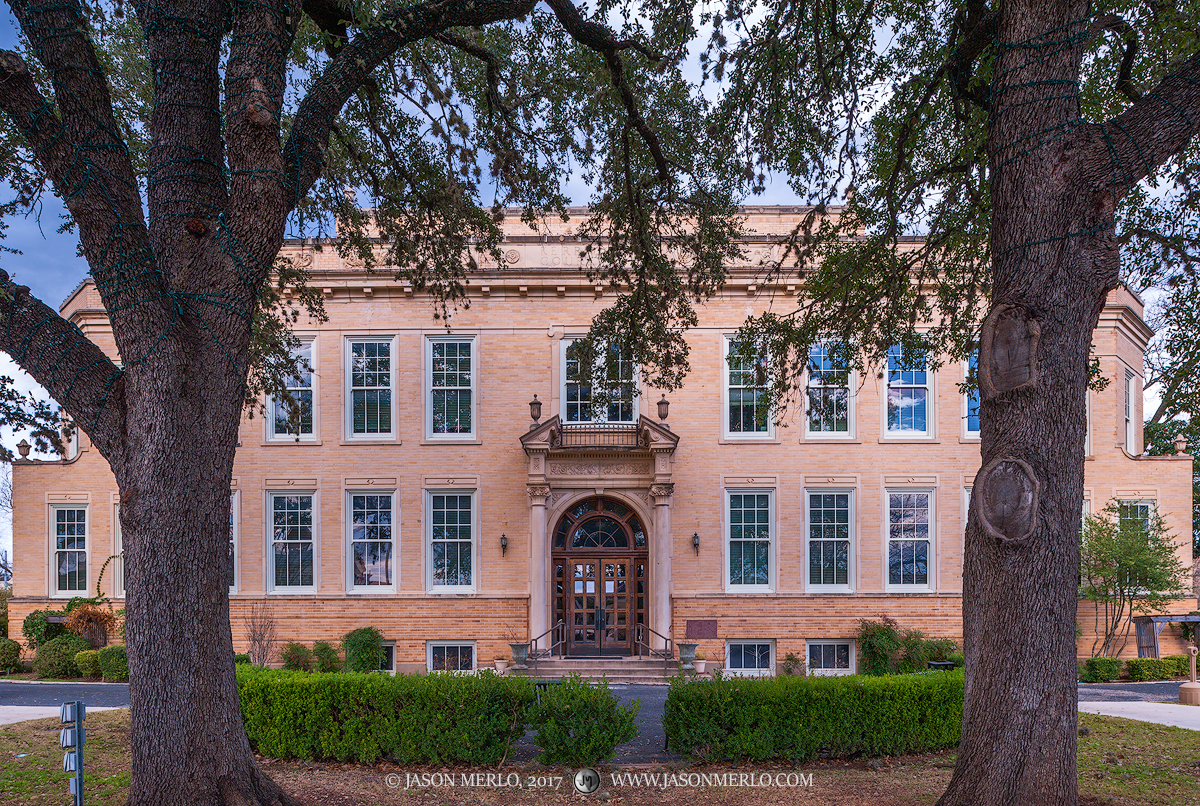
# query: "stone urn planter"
501,664
520,655
687,654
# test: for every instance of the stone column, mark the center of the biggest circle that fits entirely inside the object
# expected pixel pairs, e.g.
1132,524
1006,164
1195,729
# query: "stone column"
539,562
660,563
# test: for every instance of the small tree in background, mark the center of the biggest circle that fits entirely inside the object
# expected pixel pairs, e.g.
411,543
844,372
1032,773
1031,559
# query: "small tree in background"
1127,564
260,633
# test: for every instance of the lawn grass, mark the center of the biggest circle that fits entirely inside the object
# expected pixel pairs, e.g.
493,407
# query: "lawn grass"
1121,763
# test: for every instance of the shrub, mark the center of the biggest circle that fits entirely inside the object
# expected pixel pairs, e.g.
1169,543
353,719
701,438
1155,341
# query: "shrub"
5,595
114,663
886,649
1101,670
412,719
56,657
296,657
326,657
1179,665
798,718
364,649
38,630
92,622
10,655
88,662
1140,669
580,724
241,657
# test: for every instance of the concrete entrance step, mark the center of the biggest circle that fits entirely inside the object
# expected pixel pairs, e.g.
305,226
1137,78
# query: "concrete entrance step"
614,670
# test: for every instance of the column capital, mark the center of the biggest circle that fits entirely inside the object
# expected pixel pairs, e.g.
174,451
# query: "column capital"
538,493
661,493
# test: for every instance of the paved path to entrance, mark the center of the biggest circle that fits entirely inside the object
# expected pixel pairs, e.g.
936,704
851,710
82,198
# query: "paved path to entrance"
1129,692
1175,715
21,700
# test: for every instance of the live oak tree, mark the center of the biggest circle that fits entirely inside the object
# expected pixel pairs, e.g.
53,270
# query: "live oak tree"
1036,144
185,139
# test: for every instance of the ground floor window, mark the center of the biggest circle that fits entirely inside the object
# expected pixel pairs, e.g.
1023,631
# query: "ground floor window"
451,657
751,658
388,664
830,657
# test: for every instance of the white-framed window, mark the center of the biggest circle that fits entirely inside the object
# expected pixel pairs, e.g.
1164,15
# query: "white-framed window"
450,656
372,541
971,396
750,658
388,664
910,524
1130,411
828,403
293,542
908,397
451,540
749,544
370,387
613,373
747,413
301,388
831,657
118,559
450,395
234,527
69,543
1135,513
829,517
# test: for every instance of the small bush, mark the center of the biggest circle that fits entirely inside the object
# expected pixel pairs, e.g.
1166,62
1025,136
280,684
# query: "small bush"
10,655
580,724
957,659
92,622
363,649
1101,670
241,657
798,718
886,649
411,719
326,657
56,657
5,595
296,657
1179,665
1140,669
38,630
114,664
88,662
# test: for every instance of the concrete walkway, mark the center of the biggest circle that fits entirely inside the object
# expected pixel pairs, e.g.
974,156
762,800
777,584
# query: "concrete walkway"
20,713
36,699
1175,715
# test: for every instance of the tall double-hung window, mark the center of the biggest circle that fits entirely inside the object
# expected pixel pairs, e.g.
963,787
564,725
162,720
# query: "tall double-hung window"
292,542
829,539
971,397
747,410
370,387
908,393
293,412
372,541
827,395
450,401
750,538
451,535
598,388
910,525
70,536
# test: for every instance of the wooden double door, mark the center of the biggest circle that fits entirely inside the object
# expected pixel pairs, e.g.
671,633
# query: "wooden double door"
602,599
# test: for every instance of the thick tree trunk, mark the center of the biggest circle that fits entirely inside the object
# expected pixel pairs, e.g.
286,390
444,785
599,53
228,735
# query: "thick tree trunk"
1054,260
188,743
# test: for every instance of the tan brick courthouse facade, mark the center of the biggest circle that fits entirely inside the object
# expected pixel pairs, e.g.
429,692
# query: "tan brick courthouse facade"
422,498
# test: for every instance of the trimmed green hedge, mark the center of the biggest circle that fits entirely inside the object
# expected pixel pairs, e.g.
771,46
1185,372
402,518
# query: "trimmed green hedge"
579,724
88,661
56,657
797,718
410,719
1101,670
10,655
1158,668
114,663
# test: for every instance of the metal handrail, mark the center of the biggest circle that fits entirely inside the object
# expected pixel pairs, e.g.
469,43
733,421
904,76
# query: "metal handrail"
667,653
536,654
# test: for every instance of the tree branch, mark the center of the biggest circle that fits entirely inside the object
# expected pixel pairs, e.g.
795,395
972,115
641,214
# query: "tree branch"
1116,24
1131,146
76,372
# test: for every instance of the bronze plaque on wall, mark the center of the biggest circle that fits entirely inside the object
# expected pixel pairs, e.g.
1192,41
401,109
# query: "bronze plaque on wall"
701,628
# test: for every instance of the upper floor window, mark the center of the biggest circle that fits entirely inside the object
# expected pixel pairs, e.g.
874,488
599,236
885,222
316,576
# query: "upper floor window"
231,570
747,410
70,549
372,541
599,390
451,519
292,541
909,537
370,382
828,391
907,393
829,546
118,560
1130,409
294,417
971,397
450,404
1135,513
750,516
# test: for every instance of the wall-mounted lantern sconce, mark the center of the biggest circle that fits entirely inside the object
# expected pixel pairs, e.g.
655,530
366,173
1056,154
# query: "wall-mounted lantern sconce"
503,544
535,409
663,405
696,542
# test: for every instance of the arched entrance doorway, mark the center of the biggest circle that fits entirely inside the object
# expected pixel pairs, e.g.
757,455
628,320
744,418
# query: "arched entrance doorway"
599,560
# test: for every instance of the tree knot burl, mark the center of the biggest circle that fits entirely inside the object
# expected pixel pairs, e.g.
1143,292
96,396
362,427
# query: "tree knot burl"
1008,347
1006,497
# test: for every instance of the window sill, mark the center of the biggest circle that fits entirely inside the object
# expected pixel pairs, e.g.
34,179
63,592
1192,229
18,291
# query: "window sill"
751,591
373,441
292,592
450,592
358,592
910,591
284,443
901,440
970,439
823,591
451,441
733,439
843,439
